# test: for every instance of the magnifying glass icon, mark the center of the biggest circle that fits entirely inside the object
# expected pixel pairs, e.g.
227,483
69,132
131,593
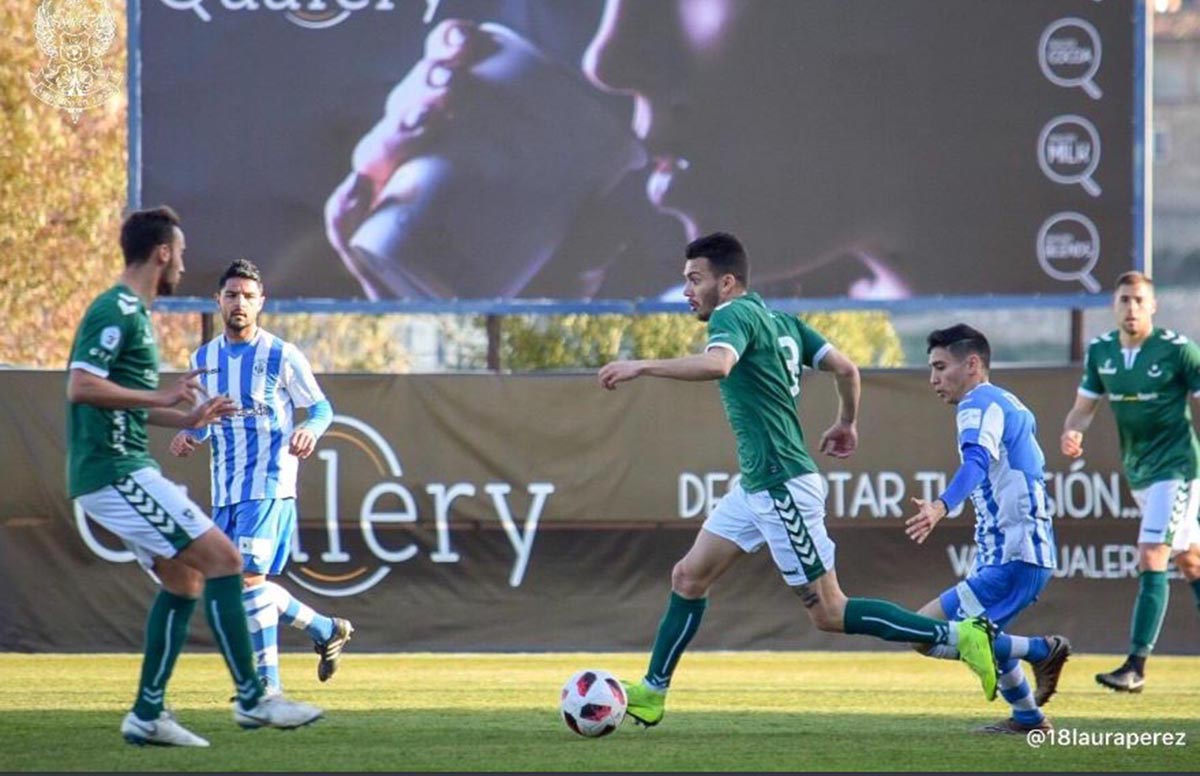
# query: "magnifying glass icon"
1069,54
1069,152
1068,249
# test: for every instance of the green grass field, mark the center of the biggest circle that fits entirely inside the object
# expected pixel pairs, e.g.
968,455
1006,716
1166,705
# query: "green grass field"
727,711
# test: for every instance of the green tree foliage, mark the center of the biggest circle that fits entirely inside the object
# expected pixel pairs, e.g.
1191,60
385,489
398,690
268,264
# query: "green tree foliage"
866,336
588,341
343,343
560,341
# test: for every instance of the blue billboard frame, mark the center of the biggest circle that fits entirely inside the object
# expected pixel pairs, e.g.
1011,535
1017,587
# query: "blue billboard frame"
1141,249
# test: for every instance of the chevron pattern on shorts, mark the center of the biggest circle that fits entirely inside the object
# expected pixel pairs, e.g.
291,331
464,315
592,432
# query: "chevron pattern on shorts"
145,505
1178,510
793,523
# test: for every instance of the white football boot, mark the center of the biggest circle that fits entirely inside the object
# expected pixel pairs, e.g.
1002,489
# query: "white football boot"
164,731
274,710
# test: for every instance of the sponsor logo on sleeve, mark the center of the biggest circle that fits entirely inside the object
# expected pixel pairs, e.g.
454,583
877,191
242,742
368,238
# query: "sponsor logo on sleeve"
110,337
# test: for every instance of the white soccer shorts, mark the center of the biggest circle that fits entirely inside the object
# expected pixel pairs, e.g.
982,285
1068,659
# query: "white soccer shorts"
149,513
788,518
1170,514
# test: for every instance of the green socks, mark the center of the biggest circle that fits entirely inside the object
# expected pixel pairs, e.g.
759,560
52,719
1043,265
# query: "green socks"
227,618
675,631
885,620
1148,612
166,631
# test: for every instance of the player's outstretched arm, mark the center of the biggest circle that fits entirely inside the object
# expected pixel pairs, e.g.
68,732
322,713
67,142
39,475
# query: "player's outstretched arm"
198,417
841,439
1078,420
83,387
969,476
714,364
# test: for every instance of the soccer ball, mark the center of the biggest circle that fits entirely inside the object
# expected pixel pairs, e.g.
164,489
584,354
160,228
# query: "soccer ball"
593,703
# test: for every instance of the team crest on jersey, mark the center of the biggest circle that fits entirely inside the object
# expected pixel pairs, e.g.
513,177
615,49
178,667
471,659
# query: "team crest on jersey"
1107,368
1154,371
260,367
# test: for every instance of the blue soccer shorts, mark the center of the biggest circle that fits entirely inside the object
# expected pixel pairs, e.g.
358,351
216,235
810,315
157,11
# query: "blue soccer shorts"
261,530
1000,592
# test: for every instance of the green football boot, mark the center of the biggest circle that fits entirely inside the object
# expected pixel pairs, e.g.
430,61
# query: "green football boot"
976,637
645,706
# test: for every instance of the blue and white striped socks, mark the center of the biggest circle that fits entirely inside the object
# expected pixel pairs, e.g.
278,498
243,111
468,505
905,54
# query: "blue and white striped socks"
300,616
1015,690
1032,649
263,619
1013,685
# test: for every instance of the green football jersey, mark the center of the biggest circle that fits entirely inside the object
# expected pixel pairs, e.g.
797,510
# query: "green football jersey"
1148,389
115,341
761,390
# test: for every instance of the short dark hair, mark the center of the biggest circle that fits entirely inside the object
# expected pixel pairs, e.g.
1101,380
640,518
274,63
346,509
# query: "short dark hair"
961,340
724,252
144,230
241,268
1133,278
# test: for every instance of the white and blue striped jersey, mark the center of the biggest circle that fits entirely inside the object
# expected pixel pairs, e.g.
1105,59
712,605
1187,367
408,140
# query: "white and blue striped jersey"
268,378
1012,521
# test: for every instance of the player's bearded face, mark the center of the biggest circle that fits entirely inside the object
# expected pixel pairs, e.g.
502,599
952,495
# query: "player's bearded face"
172,273
708,300
701,288
241,301
1135,307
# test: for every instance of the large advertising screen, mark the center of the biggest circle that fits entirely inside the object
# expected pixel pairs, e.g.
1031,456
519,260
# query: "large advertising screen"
567,149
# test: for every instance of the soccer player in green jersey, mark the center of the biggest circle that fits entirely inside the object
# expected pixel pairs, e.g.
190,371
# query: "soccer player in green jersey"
780,500
113,392
1147,374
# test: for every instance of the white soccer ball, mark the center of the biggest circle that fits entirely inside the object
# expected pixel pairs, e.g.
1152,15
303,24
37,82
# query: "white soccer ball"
593,703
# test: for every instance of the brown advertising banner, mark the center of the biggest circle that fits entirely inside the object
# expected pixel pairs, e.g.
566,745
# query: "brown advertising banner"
478,512
526,149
